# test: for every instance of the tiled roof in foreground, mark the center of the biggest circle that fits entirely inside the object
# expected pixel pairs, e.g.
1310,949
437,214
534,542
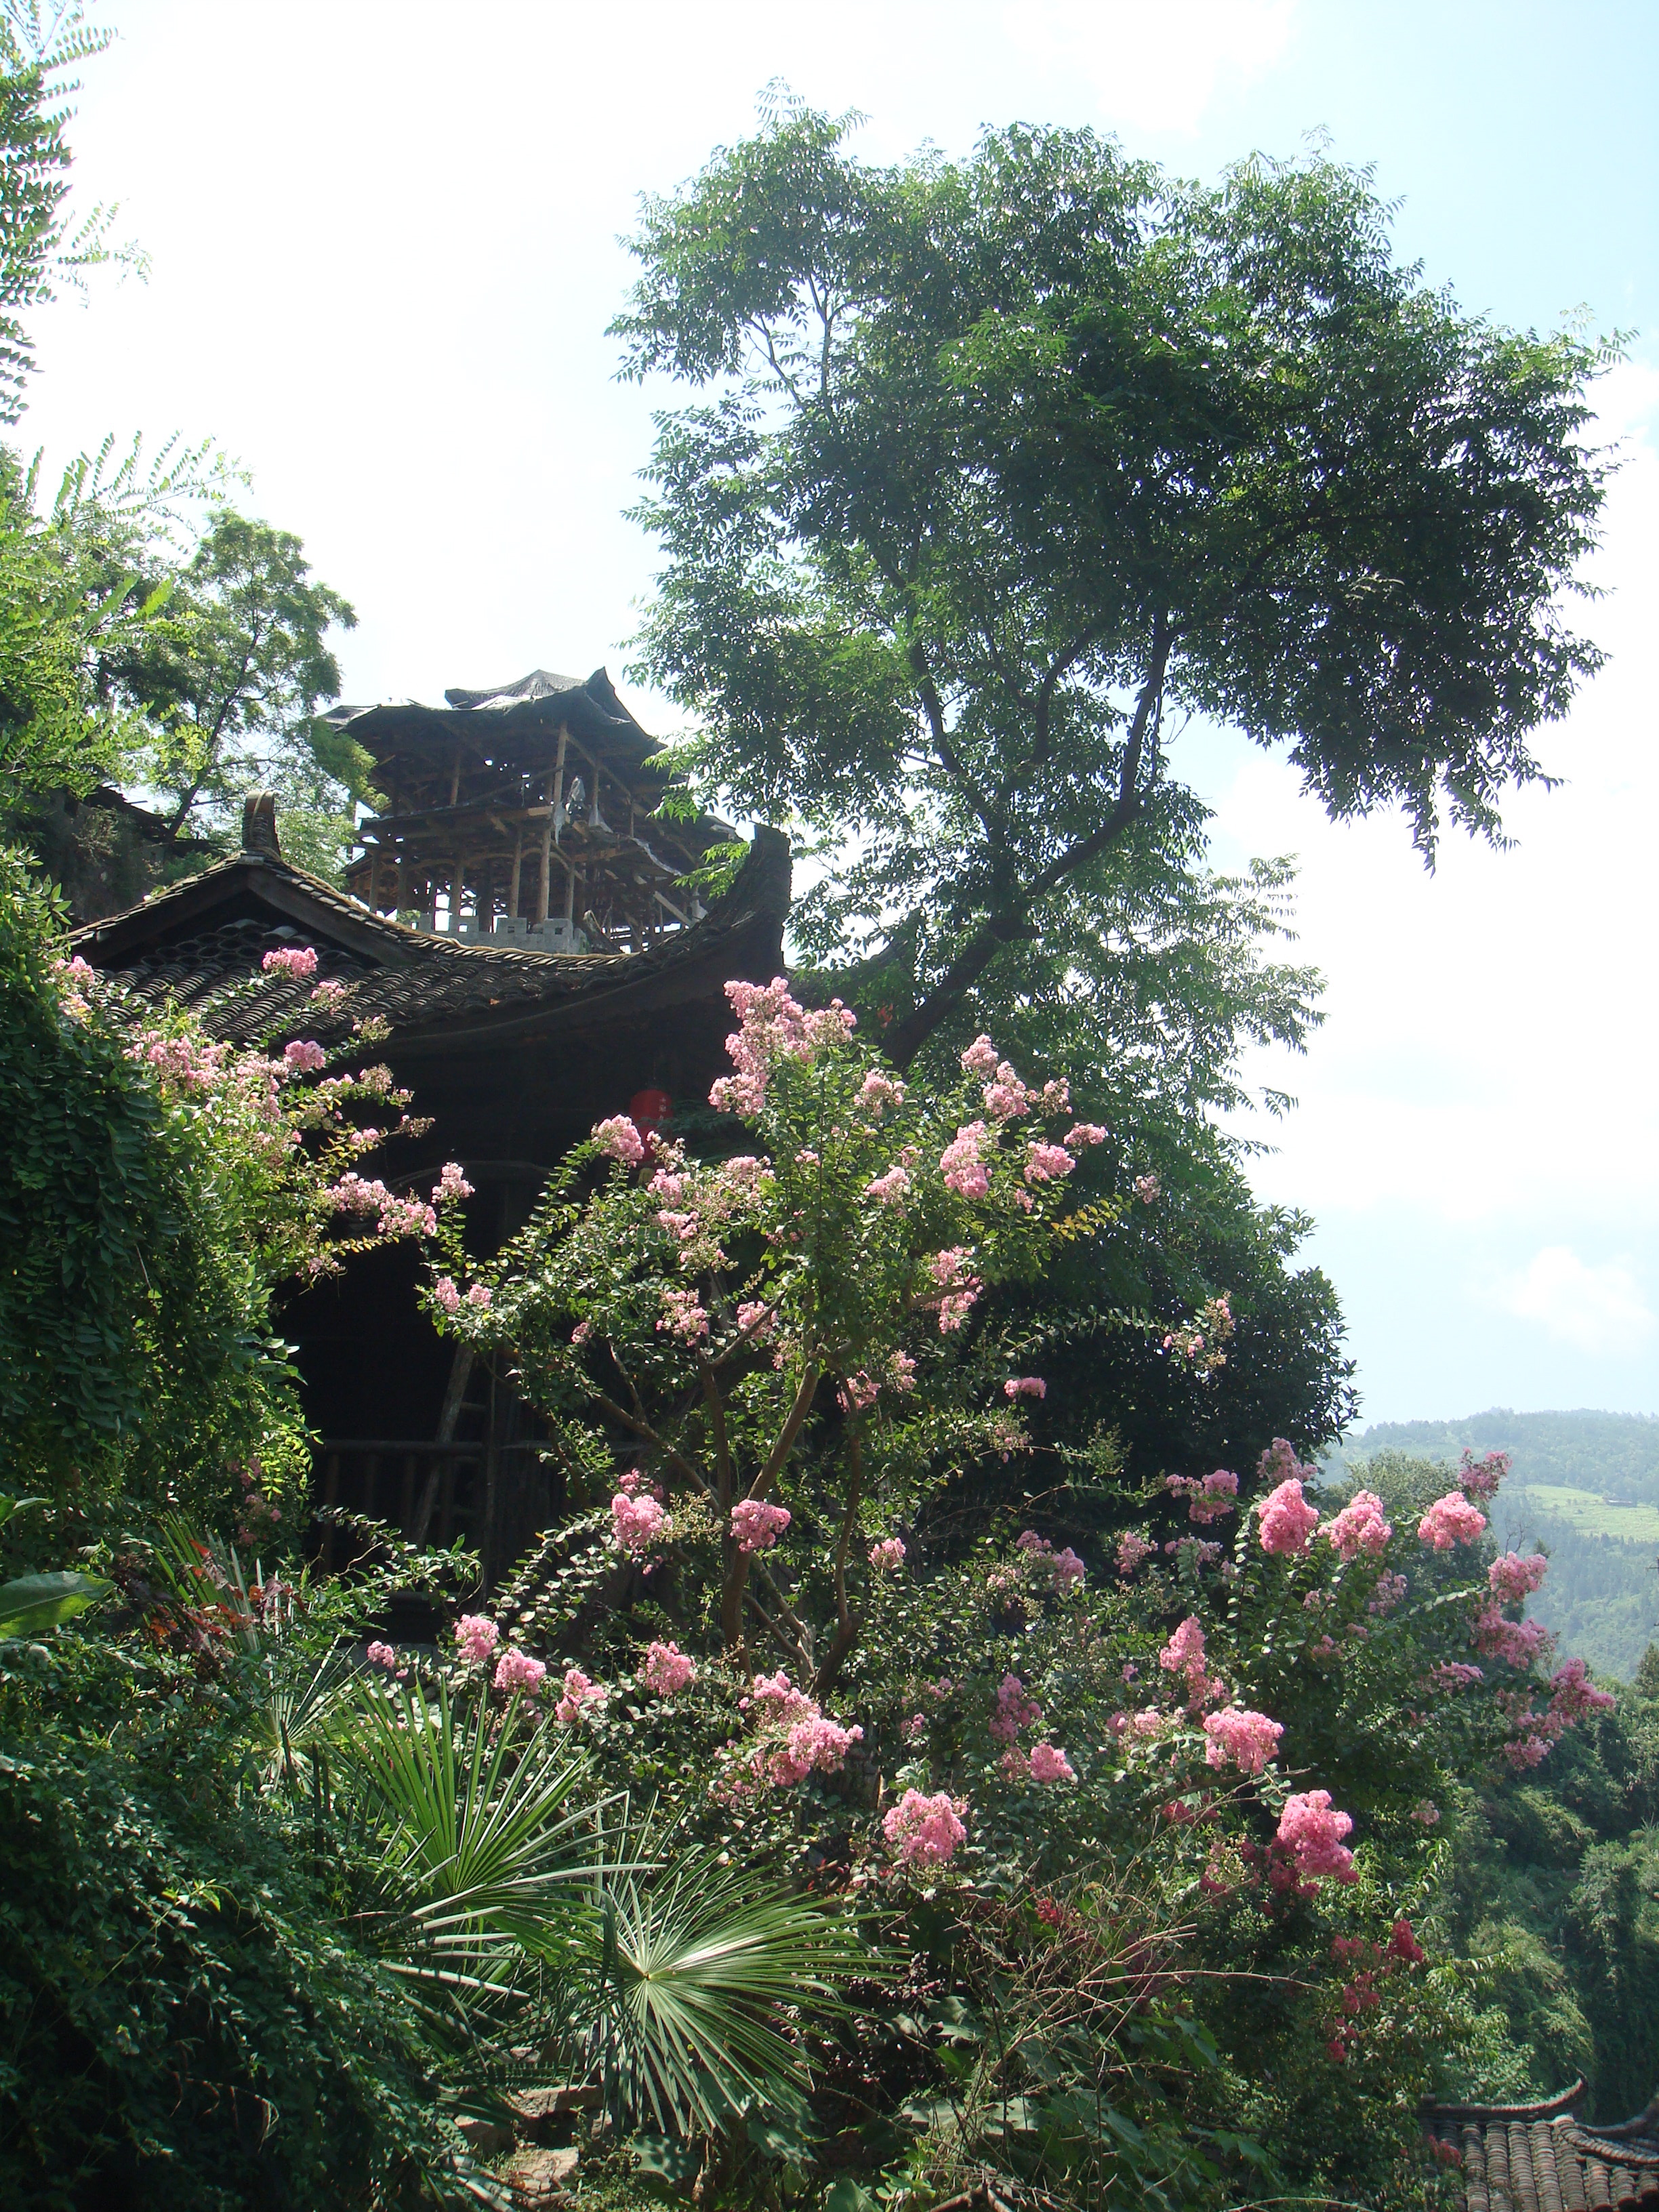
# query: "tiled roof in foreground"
1541,2158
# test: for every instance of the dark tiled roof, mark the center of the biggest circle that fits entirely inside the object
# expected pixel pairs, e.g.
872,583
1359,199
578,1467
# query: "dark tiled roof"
197,937
1541,2158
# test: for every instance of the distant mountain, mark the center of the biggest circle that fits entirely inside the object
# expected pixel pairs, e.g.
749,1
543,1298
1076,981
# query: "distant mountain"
1585,1487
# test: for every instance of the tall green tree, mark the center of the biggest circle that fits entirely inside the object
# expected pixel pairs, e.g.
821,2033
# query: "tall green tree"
1006,464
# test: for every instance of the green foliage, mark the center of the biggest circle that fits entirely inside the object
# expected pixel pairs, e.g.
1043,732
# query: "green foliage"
1006,458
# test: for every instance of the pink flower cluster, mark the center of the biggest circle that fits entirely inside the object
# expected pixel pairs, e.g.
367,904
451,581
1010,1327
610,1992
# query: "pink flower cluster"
1147,1188
1079,1137
329,997
638,1523
451,1183
1516,1643
1451,1520
1063,1570
857,1393
1359,1527
1390,1588
755,1318
757,1523
1480,1478
398,1217
774,1027
620,1139
382,1654
517,1671
303,1057
1212,1496
1312,1830
1512,1578
796,1737
1184,1655
1286,1522
191,1063
477,1638
667,1669
1015,1709
981,1057
299,961
878,1091
1131,1549
888,1189
1572,1695
924,1830
959,1285
1249,1740
578,1694
1048,1763
960,1162
1025,1385
1048,1163
1455,1675
450,1298
684,1316
888,1554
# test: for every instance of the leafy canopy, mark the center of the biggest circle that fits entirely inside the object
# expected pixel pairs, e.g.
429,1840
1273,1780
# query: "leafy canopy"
1006,459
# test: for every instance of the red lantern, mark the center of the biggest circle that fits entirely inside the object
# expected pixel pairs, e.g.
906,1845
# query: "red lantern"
648,1109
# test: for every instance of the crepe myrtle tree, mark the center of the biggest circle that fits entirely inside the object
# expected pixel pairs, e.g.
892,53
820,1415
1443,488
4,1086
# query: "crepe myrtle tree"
1003,463
784,1334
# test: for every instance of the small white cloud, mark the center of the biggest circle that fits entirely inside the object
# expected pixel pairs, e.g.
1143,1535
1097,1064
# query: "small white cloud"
1599,1309
1156,68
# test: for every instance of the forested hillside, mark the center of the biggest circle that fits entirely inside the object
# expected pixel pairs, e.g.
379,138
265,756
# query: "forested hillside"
1585,1487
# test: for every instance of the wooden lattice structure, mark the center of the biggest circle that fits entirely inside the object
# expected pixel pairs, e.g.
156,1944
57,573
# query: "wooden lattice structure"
525,815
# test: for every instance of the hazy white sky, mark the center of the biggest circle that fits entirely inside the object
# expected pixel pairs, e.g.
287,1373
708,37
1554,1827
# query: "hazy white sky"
384,240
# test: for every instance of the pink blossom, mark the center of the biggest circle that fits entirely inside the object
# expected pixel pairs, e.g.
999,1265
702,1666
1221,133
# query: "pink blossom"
1184,1652
924,1830
1426,1813
666,1184
1287,1521
774,1028
1147,1188
667,1669
517,1671
1068,1570
619,1137
981,1057
1131,1549
757,1523
298,960
382,1654
1048,1763
857,1393
446,1293
1514,1642
960,1165
638,1523
1480,1478
1512,1578
1084,1134
1025,1385
878,1091
581,1332
578,1692
1451,1520
889,1553
901,1373
479,1295
450,1183
1574,1694
1390,1588
1312,1831
303,1057
683,1314
1455,1675
1047,1163
1015,1709
754,1318
477,1638
888,1189
1249,1740
1150,1720
1359,1527
1279,1460
1006,1098
328,998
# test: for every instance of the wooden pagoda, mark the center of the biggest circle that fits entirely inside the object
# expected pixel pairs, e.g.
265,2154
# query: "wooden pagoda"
526,815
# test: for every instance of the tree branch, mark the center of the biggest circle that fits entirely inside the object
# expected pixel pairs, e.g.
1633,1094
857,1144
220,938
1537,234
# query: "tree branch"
905,1039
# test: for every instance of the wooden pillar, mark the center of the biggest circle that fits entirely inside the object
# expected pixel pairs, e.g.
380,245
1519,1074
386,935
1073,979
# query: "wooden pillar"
457,892
569,893
513,881
374,879
455,779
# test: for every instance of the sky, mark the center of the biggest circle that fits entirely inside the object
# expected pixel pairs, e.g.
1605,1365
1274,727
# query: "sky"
383,245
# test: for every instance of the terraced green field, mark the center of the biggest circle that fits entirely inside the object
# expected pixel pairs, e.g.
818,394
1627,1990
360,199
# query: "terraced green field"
1586,1511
